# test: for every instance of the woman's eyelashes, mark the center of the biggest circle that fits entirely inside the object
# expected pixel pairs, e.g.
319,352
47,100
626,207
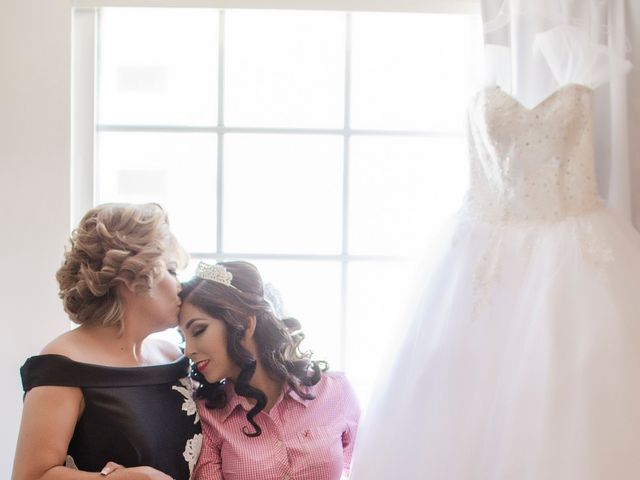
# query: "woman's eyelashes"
197,331
172,268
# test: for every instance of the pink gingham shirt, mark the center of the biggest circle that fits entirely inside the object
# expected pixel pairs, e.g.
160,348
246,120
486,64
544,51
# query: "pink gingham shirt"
300,440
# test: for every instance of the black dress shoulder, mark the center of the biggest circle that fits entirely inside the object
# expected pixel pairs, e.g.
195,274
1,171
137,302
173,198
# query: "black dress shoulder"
133,416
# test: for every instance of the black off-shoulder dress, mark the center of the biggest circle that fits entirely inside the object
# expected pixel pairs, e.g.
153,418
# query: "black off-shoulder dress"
133,416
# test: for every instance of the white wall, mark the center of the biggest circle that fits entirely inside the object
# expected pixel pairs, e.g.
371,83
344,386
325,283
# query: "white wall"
34,189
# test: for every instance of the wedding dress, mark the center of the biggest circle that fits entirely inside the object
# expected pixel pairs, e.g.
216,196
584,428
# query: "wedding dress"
522,361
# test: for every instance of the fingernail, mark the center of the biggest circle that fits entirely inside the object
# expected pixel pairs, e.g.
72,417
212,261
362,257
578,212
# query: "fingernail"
105,471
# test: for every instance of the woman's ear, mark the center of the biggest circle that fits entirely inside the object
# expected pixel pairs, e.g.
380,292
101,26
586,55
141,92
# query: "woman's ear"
251,327
125,291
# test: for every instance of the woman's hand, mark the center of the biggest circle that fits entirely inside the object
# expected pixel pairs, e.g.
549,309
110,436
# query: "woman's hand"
118,472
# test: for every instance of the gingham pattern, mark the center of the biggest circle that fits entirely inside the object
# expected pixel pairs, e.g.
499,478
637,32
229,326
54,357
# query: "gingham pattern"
301,439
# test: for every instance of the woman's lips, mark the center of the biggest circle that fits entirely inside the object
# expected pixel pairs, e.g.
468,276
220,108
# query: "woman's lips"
202,364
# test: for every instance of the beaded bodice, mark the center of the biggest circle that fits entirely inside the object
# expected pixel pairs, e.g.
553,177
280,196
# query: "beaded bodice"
531,164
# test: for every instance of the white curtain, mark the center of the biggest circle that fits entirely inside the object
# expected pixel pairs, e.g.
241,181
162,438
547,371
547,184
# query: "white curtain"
511,29
633,92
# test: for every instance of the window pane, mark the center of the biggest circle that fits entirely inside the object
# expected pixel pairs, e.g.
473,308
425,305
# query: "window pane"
176,170
411,71
401,189
378,294
282,193
158,66
310,292
284,68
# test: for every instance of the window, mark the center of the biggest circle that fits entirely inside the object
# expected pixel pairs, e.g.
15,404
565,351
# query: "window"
325,147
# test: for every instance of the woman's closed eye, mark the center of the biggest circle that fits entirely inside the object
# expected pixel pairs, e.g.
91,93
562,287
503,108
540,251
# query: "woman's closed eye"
197,331
172,268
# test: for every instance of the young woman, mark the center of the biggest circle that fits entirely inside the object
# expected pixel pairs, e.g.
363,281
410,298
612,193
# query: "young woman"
268,411
104,392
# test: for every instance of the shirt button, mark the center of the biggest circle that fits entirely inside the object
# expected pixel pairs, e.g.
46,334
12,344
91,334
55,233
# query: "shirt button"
278,443
286,477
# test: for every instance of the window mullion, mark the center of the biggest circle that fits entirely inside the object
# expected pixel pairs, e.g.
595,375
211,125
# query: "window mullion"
345,194
221,138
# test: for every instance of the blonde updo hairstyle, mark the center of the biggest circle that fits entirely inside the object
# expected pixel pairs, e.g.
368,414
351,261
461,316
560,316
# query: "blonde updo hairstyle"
115,244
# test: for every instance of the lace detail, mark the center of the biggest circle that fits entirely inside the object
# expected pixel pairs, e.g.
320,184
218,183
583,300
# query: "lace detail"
531,164
187,390
596,250
194,444
192,451
487,272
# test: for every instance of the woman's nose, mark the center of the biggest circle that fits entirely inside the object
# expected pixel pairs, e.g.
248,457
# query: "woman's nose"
188,351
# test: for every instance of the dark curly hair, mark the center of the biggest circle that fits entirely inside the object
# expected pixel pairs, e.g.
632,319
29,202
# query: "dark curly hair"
277,340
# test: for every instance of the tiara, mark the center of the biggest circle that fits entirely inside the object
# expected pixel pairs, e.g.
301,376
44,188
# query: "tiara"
215,273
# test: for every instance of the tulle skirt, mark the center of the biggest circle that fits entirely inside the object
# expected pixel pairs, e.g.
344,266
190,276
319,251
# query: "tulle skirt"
522,360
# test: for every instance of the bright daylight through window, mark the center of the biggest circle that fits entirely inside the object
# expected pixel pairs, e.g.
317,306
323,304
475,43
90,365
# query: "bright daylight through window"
322,146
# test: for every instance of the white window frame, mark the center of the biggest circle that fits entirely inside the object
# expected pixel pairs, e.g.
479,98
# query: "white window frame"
425,6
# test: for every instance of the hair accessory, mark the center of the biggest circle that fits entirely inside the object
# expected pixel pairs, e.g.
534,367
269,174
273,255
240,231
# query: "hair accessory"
215,273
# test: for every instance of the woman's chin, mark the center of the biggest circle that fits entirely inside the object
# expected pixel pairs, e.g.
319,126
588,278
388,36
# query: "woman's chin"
211,379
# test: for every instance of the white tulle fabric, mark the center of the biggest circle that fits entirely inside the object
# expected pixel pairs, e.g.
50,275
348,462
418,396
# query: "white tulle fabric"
563,55
573,57
523,358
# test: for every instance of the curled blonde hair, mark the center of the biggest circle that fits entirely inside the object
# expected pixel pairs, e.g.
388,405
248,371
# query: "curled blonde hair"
115,244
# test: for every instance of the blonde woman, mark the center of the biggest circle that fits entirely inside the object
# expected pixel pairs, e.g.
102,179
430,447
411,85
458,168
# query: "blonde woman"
104,395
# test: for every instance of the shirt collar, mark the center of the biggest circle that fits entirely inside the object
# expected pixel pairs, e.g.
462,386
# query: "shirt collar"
291,393
236,401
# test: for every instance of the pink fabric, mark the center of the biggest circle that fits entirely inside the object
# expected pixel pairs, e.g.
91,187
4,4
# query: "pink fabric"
300,440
